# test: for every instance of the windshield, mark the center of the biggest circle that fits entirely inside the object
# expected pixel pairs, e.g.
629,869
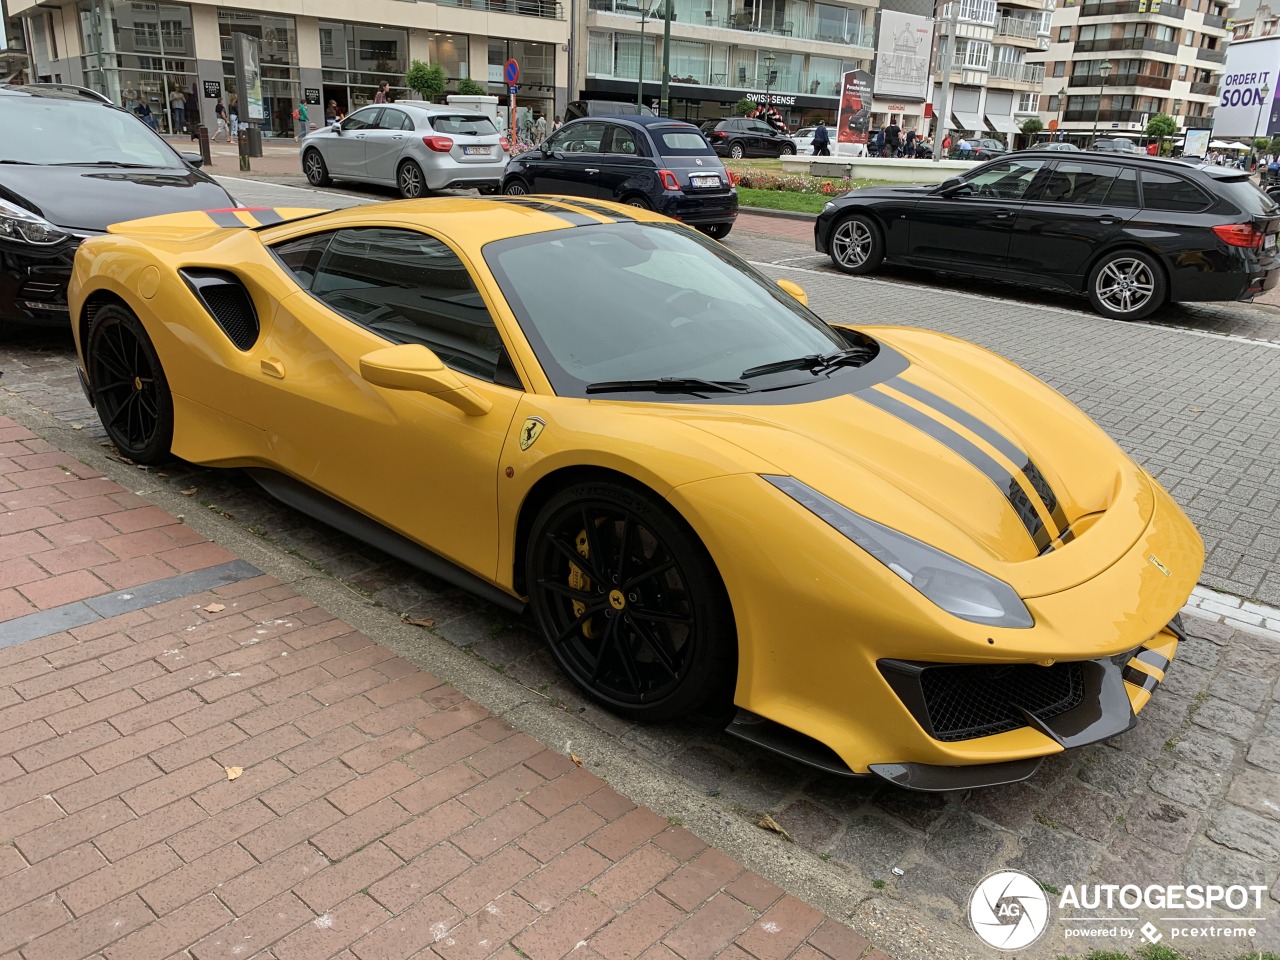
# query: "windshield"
78,132
641,302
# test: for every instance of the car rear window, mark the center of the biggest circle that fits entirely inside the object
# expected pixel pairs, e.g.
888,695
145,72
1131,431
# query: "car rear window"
1164,191
682,143
1246,195
463,124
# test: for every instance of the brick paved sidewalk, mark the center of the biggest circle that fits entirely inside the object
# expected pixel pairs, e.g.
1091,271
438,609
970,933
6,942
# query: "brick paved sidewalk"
378,813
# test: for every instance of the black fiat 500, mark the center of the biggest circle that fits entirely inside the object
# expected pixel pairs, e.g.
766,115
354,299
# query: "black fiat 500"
651,162
1130,232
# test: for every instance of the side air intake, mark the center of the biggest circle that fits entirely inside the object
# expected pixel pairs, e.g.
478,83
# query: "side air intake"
228,302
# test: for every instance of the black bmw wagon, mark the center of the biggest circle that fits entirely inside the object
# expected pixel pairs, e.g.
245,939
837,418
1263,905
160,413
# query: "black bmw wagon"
1130,232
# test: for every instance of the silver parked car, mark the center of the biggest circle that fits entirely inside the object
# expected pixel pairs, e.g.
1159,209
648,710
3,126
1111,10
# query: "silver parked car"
412,145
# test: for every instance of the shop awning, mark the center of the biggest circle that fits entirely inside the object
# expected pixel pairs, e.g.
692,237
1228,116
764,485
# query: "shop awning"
1003,124
969,122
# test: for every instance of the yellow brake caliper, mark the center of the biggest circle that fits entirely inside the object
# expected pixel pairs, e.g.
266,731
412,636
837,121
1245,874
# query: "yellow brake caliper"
580,581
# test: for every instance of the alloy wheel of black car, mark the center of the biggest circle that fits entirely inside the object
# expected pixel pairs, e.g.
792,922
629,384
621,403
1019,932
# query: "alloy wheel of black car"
410,180
515,188
736,151
787,150
630,602
1127,285
856,245
314,167
129,388
638,201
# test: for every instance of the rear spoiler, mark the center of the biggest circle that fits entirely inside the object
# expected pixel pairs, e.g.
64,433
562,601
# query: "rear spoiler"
193,223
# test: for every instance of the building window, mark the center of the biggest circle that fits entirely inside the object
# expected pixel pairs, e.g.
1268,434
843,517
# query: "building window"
278,51
1064,34
1059,69
355,58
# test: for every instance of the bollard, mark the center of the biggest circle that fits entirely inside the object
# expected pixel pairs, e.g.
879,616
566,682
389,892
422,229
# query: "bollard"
244,147
202,135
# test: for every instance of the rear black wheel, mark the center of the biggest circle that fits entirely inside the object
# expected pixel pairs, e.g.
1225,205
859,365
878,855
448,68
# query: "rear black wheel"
638,201
1127,285
717,231
314,167
515,187
129,388
736,151
630,602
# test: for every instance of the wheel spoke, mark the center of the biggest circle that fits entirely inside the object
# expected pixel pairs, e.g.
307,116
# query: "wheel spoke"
625,654
620,568
648,574
664,658
564,590
639,613
593,544
587,614
574,556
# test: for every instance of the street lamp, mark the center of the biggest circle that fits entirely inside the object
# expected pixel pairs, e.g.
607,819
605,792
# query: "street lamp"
1062,104
1257,121
768,73
1104,68
646,14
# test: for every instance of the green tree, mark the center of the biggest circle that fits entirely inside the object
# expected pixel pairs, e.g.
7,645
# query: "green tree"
1262,144
1161,125
427,80
471,88
1031,126
743,107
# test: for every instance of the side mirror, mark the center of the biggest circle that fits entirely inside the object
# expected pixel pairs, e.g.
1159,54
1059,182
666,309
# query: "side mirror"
412,366
193,158
950,186
794,290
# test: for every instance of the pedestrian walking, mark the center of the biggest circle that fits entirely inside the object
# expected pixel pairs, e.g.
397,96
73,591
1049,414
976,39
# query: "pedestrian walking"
557,124
221,123
540,127
382,96
821,140
964,148
300,115
892,139
909,144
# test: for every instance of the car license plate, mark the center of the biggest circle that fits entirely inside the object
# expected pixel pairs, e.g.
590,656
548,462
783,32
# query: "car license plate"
475,151
1269,242
705,180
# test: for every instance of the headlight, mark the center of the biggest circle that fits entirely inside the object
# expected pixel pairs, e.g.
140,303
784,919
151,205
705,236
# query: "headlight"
23,226
955,586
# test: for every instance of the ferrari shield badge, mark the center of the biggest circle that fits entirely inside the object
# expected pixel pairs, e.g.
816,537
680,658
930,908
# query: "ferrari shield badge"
1155,561
530,432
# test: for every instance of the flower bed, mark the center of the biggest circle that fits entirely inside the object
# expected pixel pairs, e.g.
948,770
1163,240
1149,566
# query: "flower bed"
796,183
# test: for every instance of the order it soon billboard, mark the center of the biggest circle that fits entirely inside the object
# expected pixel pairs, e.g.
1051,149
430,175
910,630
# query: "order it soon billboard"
1243,110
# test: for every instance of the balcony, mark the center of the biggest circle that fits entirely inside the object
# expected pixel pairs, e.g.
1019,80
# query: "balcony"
1205,89
1017,27
1018,72
1171,10
857,35
546,9
1213,56
1123,80
1106,116
713,76
972,11
1214,23
1129,43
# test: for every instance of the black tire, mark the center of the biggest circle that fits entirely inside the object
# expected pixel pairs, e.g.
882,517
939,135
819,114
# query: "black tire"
736,151
515,187
788,150
635,200
856,244
130,391
315,168
410,180
717,231
630,602
1127,285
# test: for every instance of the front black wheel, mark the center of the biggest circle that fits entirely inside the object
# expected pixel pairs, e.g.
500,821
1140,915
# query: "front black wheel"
856,244
314,167
630,602
788,150
129,388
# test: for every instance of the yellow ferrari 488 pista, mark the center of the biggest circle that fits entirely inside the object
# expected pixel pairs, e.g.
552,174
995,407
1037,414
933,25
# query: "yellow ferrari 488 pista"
893,552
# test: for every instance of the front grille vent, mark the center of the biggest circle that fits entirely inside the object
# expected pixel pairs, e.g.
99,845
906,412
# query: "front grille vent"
964,702
40,290
228,302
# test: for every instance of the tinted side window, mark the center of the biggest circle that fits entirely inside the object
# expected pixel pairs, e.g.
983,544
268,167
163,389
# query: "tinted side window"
578,138
1005,180
362,119
1079,182
622,141
301,256
410,288
1124,189
1164,191
394,120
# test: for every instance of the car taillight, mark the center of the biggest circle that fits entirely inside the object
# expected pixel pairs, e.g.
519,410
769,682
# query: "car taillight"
669,181
504,143
439,144
1239,235
717,135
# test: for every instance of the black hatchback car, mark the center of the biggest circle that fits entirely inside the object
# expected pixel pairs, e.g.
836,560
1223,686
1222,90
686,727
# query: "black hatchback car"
1129,232
740,137
652,162
72,165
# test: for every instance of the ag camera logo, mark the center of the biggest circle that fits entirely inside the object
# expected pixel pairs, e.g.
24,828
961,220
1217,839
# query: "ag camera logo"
1009,910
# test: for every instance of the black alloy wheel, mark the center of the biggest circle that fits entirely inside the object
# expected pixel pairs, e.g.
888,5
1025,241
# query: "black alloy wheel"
130,391
788,150
515,187
314,167
630,602
638,201
736,151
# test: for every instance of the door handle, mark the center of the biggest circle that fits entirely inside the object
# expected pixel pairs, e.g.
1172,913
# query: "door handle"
1108,221
592,170
273,368
1003,214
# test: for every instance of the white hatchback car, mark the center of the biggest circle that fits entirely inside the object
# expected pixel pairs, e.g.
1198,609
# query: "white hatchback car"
413,146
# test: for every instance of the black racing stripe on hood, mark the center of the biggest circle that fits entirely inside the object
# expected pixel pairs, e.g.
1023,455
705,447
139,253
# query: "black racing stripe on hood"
225,218
613,215
1007,447
564,213
267,218
998,475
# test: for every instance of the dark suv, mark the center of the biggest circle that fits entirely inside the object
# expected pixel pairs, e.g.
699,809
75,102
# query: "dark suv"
740,137
652,162
73,165
1130,232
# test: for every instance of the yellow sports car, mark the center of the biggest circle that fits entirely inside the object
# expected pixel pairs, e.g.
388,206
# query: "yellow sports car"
894,552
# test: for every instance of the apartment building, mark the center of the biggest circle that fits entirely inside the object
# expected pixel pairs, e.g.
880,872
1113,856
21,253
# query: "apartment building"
144,53
1160,56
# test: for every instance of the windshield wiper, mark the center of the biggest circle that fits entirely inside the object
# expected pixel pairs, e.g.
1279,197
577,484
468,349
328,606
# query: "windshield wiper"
670,384
103,163
25,163
814,362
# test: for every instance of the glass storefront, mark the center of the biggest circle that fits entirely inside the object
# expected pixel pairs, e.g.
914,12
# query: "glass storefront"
450,51
355,58
142,56
536,96
278,44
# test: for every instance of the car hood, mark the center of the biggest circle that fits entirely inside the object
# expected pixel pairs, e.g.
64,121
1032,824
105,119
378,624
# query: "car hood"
896,190
922,463
93,198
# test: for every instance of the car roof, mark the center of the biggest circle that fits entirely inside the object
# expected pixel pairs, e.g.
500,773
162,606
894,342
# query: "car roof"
1141,159
56,91
635,120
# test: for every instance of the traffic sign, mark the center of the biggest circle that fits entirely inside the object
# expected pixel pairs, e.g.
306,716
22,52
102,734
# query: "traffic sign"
513,88
511,72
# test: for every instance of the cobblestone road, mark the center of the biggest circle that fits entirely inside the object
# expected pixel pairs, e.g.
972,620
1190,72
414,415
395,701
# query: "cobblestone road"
1188,796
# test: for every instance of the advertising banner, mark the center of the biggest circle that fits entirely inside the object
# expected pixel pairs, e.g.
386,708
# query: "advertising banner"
248,69
1241,110
902,55
854,119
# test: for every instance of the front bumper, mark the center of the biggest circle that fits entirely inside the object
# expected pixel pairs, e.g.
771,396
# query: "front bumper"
33,284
